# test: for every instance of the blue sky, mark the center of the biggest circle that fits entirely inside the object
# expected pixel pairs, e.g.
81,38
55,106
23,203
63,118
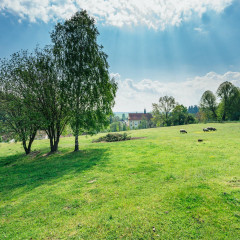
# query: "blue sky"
155,48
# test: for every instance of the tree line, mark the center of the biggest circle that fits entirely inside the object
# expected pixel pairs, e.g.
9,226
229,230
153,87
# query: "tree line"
228,107
222,106
66,83
167,112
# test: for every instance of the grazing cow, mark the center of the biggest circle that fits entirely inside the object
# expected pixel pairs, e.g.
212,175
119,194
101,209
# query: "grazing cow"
205,130
211,129
183,131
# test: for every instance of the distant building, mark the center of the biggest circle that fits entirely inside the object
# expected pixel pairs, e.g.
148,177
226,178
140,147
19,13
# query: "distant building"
134,119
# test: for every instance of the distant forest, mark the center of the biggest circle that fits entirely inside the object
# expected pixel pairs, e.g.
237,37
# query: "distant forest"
193,109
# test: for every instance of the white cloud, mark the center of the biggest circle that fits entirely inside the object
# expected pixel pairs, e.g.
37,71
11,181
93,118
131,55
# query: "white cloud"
135,96
155,14
200,30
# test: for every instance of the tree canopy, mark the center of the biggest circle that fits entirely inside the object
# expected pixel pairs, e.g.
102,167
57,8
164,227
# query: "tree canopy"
67,83
162,109
84,65
208,103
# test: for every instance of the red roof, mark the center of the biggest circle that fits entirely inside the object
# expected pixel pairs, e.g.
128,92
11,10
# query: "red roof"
139,116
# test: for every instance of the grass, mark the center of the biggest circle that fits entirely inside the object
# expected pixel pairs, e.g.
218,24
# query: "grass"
184,188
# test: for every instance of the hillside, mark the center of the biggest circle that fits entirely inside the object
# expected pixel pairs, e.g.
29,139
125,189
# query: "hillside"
183,188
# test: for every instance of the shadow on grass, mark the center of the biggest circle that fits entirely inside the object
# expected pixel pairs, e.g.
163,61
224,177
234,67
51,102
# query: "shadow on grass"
23,173
10,160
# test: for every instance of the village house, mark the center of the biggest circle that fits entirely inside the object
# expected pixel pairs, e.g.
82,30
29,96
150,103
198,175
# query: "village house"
134,119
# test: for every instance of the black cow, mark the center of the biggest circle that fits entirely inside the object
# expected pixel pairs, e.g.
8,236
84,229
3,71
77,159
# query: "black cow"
183,131
212,129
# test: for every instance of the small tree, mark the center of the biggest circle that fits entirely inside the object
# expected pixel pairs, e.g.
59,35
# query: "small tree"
17,120
162,109
19,117
144,123
201,116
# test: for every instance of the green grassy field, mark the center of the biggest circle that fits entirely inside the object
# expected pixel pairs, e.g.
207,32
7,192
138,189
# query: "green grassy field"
184,188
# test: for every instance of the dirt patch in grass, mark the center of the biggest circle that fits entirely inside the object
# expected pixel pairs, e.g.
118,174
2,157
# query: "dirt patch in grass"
132,138
51,153
33,154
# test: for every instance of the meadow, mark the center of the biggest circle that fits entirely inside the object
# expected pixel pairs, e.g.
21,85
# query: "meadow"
166,185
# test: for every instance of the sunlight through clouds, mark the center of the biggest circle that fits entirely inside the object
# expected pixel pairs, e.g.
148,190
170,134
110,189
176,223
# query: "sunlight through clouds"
156,14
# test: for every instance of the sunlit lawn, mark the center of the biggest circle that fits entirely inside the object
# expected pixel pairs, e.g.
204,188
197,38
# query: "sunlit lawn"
183,188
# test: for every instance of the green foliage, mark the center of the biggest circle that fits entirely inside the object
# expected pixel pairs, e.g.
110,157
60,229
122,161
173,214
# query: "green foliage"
67,130
175,114
229,106
36,82
179,115
208,104
144,123
162,109
91,92
115,127
113,137
19,119
191,118
229,95
68,83
201,116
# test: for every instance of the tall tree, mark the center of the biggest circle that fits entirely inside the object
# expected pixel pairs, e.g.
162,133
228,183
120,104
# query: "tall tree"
51,95
162,109
227,92
208,104
84,64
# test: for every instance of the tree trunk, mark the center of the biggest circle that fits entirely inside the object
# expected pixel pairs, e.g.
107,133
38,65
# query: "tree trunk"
54,145
29,146
77,133
25,147
24,142
76,143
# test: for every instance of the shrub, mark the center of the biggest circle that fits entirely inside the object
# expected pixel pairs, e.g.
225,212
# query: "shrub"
113,137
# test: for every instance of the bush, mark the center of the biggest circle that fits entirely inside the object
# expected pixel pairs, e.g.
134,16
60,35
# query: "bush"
113,137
